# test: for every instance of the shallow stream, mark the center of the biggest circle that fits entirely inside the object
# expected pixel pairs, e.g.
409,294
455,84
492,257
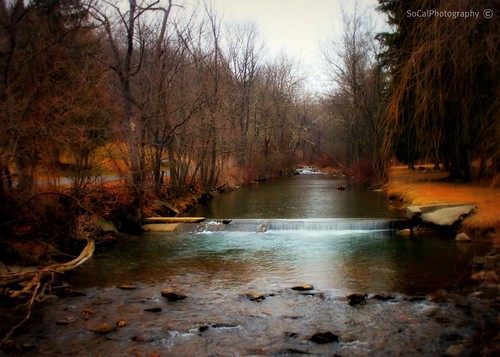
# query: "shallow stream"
405,312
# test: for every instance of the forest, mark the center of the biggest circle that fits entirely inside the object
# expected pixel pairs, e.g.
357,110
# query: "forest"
108,106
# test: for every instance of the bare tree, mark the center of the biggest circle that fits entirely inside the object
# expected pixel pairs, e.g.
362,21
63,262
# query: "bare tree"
355,71
128,50
244,56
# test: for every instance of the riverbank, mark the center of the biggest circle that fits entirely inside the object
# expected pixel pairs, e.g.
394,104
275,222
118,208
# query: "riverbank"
425,187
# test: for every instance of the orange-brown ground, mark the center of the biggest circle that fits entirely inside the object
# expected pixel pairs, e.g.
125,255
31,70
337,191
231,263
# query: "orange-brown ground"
429,187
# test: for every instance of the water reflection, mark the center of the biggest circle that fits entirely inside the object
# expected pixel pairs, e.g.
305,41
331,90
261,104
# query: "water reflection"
303,196
369,261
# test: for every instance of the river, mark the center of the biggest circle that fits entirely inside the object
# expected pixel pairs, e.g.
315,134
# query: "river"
223,268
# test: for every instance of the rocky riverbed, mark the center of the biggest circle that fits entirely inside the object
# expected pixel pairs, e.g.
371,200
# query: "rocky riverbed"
143,320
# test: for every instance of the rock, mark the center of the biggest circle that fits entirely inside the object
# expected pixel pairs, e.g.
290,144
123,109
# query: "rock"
341,187
212,226
203,328
324,337
106,226
172,295
304,287
127,287
404,233
293,317
463,237
447,216
254,296
454,350
355,299
104,329
66,321
153,309
382,297
262,227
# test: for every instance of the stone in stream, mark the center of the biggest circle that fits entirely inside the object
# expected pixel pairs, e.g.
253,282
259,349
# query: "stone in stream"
254,296
172,295
66,321
324,337
304,287
127,287
355,299
382,297
153,309
104,329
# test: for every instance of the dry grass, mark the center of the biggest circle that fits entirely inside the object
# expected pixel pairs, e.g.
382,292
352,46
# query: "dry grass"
425,187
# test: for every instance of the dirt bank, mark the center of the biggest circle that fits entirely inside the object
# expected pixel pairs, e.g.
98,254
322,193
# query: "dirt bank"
421,187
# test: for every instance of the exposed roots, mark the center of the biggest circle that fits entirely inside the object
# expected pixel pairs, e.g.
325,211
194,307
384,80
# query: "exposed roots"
32,284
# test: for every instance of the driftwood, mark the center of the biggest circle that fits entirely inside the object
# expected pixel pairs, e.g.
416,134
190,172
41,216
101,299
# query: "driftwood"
32,284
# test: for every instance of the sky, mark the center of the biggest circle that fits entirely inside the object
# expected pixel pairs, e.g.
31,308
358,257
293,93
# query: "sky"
297,27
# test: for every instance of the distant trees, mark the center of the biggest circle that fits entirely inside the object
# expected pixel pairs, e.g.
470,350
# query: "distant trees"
444,92
355,104
199,108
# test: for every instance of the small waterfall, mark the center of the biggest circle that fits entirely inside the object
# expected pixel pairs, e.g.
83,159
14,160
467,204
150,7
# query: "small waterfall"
330,224
313,224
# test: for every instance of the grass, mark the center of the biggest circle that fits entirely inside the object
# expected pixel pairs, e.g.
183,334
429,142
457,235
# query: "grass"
429,187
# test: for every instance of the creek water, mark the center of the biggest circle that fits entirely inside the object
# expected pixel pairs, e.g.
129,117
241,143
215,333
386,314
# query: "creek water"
307,240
